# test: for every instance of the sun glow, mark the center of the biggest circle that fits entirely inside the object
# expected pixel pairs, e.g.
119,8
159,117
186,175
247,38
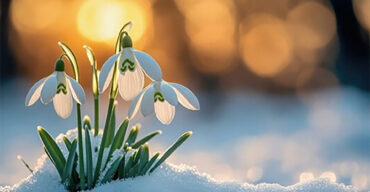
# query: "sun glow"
101,20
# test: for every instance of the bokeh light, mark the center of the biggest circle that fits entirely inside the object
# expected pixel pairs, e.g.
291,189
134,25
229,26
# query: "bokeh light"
312,25
254,174
211,33
329,175
361,8
101,20
266,48
306,176
35,19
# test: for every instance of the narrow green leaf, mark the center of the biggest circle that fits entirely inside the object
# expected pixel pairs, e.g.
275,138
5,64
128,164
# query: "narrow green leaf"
138,155
104,137
171,149
71,57
47,153
134,171
133,135
67,143
112,126
144,157
89,160
129,164
67,171
74,172
118,138
149,164
95,83
111,171
53,150
121,168
145,139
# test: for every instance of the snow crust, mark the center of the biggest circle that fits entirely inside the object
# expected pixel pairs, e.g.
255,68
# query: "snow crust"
167,178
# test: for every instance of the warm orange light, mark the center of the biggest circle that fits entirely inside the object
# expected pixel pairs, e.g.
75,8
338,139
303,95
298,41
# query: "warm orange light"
32,16
211,33
312,25
101,20
362,12
266,48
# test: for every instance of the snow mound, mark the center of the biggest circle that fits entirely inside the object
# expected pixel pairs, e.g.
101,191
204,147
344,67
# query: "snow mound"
167,178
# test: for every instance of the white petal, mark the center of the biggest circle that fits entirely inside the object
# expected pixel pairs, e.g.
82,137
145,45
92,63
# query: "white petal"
34,93
63,104
49,89
135,105
168,93
76,89
149,65
147,104
164,111
186,97
130,83
106,73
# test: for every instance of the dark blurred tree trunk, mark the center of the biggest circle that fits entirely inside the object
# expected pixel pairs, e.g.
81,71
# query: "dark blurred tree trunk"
7,67
353,65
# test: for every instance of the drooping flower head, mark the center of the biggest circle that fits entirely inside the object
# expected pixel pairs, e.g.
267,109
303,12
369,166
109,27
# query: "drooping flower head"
59,88
162,97
132,64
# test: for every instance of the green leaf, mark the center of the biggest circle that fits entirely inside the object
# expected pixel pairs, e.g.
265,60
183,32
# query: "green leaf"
133,171
133,135
53,150
47,153
93,63
71,57
67,171
112,126
121,168
129,164
89,160
74,172
144,157
149,164
118,138
112,170
171,149
145,139
67,143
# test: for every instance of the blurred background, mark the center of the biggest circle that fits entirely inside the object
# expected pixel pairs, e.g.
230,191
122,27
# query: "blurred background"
283,85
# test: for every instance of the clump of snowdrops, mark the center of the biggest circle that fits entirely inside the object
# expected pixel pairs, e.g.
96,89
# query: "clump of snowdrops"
119,155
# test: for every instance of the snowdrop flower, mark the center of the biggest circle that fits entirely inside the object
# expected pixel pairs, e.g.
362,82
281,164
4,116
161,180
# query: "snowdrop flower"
131,64
59,88
161,97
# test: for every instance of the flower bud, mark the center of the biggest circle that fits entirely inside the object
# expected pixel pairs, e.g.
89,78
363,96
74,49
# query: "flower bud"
126,41
59,65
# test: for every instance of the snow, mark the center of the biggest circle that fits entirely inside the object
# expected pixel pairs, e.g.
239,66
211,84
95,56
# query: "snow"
168,178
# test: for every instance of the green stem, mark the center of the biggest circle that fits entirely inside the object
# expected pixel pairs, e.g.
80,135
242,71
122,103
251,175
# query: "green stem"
96,116
80,147
105,132
112,98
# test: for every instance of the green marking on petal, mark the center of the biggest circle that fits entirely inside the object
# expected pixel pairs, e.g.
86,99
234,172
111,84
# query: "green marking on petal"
127,64
62,87
158,97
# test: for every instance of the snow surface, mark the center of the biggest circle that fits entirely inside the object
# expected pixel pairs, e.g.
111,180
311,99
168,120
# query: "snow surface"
168,178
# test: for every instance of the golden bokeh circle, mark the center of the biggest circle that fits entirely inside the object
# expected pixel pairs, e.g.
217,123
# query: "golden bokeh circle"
266,49
312,25
101,21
